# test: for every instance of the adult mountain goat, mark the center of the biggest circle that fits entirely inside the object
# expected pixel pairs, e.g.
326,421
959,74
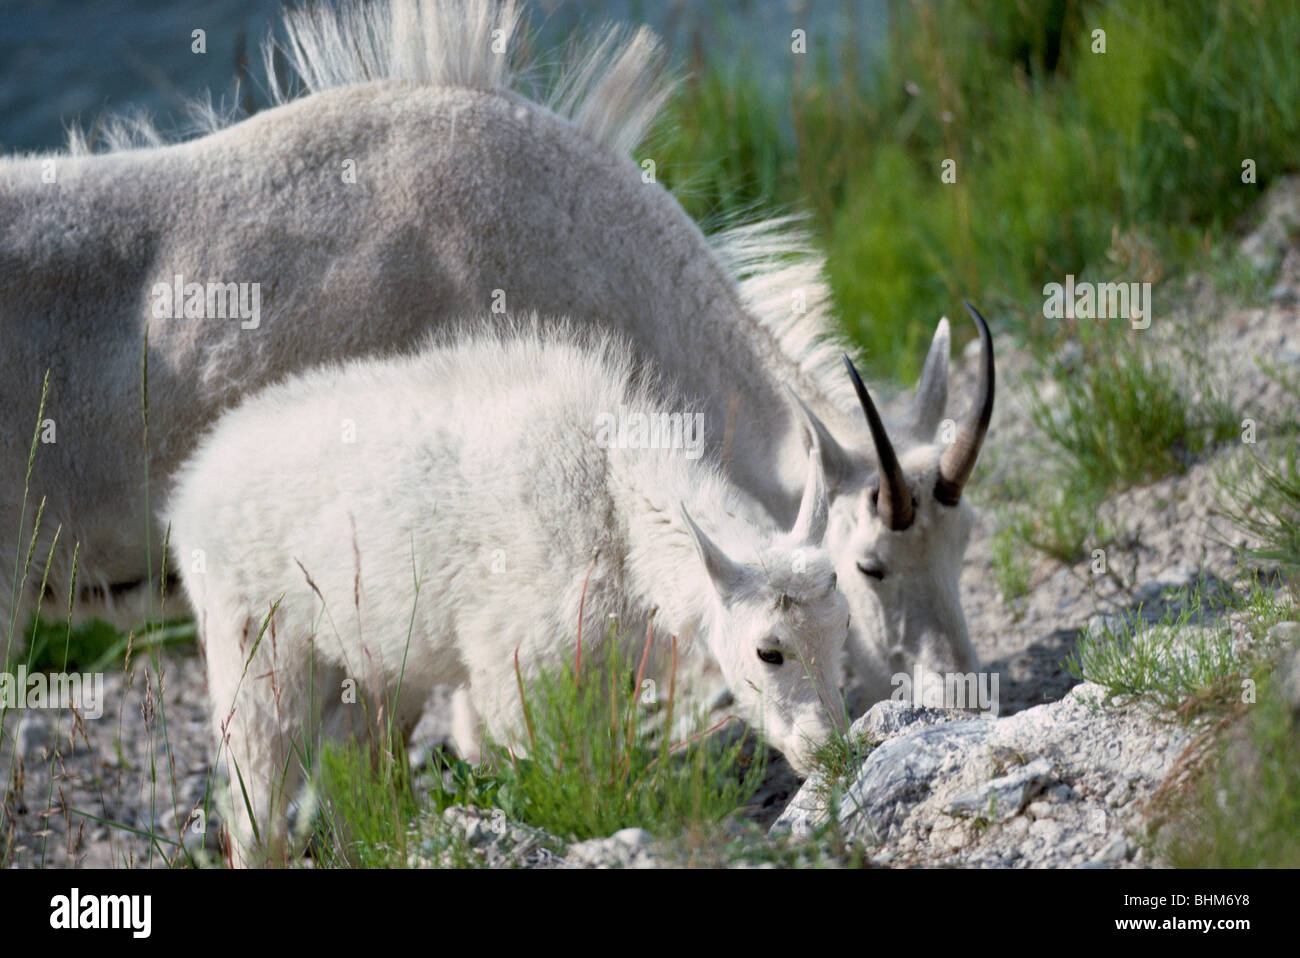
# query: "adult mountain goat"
413,183
435,519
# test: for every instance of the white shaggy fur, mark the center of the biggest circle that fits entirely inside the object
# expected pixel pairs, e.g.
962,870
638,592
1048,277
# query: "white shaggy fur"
467,195
479,472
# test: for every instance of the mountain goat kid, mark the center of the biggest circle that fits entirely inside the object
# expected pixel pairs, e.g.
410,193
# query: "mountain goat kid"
392,525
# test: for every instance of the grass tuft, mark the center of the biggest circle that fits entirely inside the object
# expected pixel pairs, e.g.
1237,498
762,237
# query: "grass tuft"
602,757
1183,668
1261,497
1122,416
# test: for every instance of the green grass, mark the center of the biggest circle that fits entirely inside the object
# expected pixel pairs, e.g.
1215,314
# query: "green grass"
1061,518
838,762
1124,415
1058,150
600,758
96,645
54,647
1177,665
1011,568
368,813
1261,497
1245,812
1059,523
841,755
593,767
1165,664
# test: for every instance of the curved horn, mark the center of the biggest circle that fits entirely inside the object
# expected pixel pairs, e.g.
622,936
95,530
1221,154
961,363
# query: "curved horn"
894,502
810,526
959,459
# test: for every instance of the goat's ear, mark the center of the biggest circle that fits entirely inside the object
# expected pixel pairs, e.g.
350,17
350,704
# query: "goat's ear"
810,524
837,464
932,389
726,574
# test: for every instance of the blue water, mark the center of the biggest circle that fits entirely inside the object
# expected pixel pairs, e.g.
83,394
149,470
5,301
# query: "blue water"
72,61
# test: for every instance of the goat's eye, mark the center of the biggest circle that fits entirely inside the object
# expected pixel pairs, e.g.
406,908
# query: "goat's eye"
771,656
871,570
875,497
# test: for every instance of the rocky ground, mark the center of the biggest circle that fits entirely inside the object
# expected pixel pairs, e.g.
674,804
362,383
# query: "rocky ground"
1062,778
142,767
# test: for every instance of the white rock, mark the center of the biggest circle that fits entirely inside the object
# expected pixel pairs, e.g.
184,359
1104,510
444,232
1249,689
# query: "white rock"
1116,850
925,779
633,837
1046,829
1005,796
1037,810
